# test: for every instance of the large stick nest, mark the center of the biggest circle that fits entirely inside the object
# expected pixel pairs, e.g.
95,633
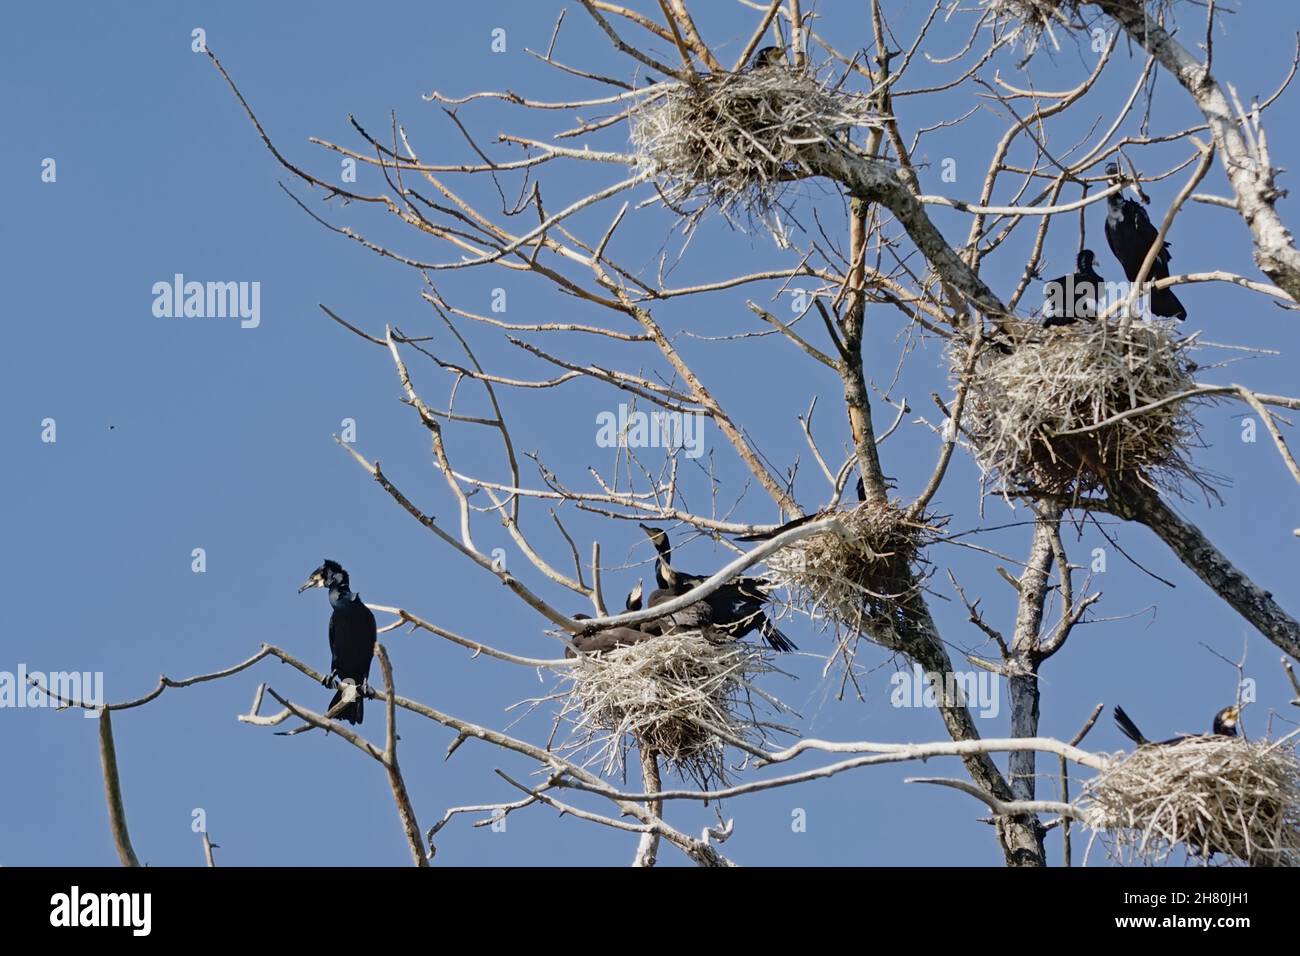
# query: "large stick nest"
1212,795
862,581
1063,379
680,695
736,140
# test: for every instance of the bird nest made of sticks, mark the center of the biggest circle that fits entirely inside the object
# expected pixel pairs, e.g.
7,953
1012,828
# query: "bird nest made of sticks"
736,140
1211,795
680,696
1027,20
1059,411
859,582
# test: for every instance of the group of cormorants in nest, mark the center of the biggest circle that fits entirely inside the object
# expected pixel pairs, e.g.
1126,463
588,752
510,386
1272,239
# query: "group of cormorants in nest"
729,613
1130,235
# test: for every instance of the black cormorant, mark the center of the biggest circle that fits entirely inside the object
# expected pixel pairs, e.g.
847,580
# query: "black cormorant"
1072,297
612,637
736,608
352,638
1131,235
693,617
768,56
1225,725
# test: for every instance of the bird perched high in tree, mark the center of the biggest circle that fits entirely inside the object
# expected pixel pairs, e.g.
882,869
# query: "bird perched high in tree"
1072,297
352,638
1225,725
1131,236
735,609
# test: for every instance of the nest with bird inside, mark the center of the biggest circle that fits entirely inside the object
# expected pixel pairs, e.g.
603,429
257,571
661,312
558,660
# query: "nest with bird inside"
736,141
680,695
1211,795
861,579
1084,408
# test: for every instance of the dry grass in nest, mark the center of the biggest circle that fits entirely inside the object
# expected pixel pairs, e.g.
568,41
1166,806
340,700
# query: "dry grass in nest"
1206,793
736,140
861,582
1061,379
1028,20
680,695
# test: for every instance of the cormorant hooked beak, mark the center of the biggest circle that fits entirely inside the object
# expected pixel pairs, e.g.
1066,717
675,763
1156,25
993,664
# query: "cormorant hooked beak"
657,535
327,575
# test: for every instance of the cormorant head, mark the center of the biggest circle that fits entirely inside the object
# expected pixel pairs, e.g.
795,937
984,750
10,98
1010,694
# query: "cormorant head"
769,56
658,537
329,575
1086,260
1225,721
633,602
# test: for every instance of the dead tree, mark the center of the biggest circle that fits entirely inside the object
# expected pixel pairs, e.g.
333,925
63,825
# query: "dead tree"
815,155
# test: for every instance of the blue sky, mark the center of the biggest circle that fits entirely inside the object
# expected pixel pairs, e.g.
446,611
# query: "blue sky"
175,434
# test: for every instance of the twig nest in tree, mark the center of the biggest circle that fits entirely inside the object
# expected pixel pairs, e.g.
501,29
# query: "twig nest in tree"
1046,415
736,140
1212,795
859,582
1028,20
680,695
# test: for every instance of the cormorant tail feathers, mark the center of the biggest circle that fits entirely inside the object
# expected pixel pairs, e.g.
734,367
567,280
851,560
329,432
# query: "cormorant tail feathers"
1128,728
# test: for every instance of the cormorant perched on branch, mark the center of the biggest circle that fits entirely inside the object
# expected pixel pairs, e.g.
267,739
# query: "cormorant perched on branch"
1131,235
1069,298
352,638
612,637
736,608
1225,725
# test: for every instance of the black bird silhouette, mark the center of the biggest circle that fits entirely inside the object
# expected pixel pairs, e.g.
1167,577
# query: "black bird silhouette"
1225,725
768,56
352,638
1069,298
736,608
612,637
693,617
1130,235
